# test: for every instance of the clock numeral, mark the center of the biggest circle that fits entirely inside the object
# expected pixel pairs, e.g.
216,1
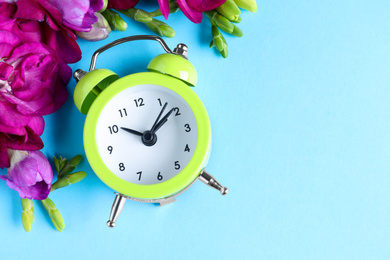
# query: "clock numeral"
122,112
121,167
110,149
139,102
159,101
159,176
187,149
113,129
140,174
187,127
177,165
176,109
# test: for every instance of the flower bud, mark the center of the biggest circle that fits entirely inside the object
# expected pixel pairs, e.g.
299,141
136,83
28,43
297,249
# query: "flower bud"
217,38
100,30
56,164
70,179
105,2
71,165
229,9
63,162
114,20
161,28
137,14
249,5
27,214
54,214
237,32
236,20
220,21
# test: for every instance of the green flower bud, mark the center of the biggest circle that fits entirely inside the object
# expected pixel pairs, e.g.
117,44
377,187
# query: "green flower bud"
114,20
224,52
54,214
137,14
173,8
237,32
70,179
217,38
161,28
220,21
236,20
63,162
249,5
229,9
71,165
27,214
56,164
105,2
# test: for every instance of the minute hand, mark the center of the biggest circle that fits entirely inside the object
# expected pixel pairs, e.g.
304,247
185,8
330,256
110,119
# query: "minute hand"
162,121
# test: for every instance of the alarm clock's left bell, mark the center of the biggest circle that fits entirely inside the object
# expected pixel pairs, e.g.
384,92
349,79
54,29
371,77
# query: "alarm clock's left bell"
89,85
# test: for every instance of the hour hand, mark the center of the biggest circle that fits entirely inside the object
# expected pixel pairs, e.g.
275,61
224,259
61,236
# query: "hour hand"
132,131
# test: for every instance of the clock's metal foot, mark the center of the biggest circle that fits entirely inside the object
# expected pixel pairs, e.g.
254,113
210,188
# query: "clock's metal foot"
116,209
166,201
209,180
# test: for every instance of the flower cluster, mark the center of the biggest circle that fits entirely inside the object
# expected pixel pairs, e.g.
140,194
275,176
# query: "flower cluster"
223,14
37,40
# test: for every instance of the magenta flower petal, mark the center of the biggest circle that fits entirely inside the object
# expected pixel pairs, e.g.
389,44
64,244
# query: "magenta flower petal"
11,121
5,69
30,142
9,38
30,174
30,10
122,5
67,48
4,162
164,7
204,5
194,16
37,125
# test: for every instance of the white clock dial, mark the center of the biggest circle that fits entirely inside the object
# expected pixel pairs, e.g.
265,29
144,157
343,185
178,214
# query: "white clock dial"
137,108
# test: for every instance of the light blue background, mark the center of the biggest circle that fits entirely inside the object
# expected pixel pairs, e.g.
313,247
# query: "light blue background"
300,117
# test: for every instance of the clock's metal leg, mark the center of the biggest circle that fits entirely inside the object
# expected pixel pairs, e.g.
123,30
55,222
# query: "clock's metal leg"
116,209
209,180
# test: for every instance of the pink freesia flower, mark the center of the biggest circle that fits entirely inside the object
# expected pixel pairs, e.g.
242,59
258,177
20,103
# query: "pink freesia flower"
30,174
51,22
32,77
122,4
191,8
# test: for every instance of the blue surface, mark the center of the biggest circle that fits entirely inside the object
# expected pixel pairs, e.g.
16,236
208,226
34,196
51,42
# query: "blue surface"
300,115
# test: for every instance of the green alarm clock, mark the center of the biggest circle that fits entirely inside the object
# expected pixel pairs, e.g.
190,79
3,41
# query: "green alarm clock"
146,135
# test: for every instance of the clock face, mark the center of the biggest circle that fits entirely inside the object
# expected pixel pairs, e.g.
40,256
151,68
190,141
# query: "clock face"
131,113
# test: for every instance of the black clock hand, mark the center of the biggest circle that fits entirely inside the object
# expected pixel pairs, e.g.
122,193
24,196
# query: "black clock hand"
162,121
132,131
158,118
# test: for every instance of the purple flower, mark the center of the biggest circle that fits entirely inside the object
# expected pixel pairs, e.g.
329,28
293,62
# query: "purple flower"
51,22
191,8
30,174
31,76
